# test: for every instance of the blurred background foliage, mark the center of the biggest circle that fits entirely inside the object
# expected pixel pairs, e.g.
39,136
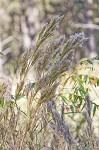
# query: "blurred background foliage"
22,19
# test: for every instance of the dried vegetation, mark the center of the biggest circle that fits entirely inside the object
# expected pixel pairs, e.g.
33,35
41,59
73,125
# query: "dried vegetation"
42,127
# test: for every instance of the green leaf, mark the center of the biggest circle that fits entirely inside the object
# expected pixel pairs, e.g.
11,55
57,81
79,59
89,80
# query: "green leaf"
12,103
82,91
2,102
94,109
89,61
64,99
97,82
87,90
79,105
33,85
23,95
70,97
85,78
1,53
72,108
83,106
75,99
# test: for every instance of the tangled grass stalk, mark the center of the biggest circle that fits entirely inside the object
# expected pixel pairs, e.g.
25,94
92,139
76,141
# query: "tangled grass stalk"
89,130
50,58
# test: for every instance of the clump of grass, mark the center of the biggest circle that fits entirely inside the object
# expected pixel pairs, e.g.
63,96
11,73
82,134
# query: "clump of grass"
50,58
88,141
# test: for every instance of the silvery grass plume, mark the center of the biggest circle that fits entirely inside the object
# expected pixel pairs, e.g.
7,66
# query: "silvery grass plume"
62,138
90,139
50,58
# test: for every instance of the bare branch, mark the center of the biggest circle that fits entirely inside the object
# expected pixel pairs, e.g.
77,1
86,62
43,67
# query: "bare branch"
86,26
